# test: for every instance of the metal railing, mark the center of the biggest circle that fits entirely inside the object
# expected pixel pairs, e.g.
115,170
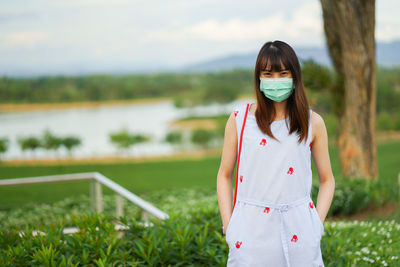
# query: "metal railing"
96,180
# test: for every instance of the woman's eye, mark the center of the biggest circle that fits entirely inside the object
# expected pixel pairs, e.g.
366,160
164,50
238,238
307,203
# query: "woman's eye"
284,73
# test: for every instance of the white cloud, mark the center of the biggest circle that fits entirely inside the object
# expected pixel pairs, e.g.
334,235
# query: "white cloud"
163,32
387,20
23,39
304,26
387,33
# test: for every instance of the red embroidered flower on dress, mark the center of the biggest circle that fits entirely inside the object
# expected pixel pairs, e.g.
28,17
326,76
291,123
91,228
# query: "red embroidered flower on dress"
290,171
266,210
294,238
241,178
236,112
263,142
238,244
311,205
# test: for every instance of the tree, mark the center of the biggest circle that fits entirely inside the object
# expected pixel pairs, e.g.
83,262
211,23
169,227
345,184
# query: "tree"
202,137
4,142
50,141
173,137
350,33
69,142
124,140
315,76
29,143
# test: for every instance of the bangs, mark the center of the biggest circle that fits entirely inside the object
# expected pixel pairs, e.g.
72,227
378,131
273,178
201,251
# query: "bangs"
273,57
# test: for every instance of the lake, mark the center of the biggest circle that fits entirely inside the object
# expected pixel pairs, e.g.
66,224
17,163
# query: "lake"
94,124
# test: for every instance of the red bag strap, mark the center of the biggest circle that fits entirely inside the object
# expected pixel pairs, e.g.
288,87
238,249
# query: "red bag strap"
240,149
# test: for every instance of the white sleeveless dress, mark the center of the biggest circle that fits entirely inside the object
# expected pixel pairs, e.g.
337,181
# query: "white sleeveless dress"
274,220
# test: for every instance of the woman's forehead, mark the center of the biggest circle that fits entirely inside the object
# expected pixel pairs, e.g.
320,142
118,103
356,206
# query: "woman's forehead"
275,66
282,68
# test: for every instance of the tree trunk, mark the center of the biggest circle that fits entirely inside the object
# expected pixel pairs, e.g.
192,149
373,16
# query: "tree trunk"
349,27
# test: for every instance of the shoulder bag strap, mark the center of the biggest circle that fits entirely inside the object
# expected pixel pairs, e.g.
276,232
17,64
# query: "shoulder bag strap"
240,148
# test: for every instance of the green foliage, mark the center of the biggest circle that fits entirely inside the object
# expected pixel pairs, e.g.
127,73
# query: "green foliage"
190,236
174,137
221,124
316,77
50,141
64,211
220,93
359,243
388,90
354,195
181,241
220,87
324,89
387,121
189,89
124,139
4,142
30,143
146,177
188,98
69,142
202,137
224,87
351,196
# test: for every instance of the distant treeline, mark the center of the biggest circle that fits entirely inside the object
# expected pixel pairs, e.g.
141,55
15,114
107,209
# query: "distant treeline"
195,88
186,89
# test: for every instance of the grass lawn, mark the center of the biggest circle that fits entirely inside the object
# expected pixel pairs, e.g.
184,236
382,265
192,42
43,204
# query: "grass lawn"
146,176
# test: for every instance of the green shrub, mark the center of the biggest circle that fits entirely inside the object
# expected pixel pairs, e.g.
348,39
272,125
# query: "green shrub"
182,241
354,195
202,137
174,137
351,196
359,243
386,121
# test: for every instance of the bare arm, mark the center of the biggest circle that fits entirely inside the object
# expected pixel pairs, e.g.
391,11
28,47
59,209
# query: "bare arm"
225,172
320,155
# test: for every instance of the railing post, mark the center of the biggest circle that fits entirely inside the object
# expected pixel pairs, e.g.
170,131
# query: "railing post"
96,181
99,200
145,216
119,205
92,195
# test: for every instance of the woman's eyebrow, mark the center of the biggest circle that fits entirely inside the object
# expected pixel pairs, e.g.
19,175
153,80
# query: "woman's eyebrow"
270,70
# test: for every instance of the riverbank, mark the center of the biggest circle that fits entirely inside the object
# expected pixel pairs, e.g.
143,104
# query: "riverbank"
64,105
194,155
382,138
85,104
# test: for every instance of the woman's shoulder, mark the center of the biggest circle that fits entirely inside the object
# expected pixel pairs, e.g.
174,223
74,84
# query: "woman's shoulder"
316,119
317,123
240,109
237,115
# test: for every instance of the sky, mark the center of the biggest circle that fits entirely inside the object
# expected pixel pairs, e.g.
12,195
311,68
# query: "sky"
61,36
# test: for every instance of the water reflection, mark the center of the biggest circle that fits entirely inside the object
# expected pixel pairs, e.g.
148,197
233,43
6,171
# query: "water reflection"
94,124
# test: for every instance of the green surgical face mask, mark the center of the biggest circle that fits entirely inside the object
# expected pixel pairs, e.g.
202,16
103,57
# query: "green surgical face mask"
276,89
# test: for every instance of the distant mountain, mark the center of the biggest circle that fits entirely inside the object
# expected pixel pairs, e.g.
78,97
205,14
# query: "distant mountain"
387,54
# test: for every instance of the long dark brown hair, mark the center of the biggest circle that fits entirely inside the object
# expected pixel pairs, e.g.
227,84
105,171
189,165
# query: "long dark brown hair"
297,105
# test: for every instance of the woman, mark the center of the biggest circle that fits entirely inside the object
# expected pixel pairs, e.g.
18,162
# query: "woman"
273,221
